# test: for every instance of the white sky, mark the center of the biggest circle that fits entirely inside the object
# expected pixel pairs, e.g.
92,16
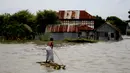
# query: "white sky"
103,8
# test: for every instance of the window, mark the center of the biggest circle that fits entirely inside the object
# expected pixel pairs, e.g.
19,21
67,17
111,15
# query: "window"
67,22
85,22
106,34
112,35
63,22
82,22
102,34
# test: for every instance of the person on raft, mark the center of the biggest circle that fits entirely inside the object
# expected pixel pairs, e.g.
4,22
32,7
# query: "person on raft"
49,51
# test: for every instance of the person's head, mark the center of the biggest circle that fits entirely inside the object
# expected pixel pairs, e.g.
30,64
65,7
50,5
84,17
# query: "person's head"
50,43
51,39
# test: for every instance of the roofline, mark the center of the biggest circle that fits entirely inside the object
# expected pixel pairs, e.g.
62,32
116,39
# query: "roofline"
77,19
113,26
72,10
109,25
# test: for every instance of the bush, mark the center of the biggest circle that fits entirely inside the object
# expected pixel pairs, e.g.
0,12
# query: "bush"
45,37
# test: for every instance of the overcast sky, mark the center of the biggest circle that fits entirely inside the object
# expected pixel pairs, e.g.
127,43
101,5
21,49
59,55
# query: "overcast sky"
102,8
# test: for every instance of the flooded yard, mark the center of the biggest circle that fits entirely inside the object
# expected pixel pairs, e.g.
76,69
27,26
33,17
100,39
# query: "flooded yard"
102,57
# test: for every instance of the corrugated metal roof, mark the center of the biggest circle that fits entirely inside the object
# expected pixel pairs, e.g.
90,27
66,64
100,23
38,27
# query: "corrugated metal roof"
82,14
61,14
67,28
85,15
85,28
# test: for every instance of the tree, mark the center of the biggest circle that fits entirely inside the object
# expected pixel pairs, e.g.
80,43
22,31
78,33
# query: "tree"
98,21
26,18
4,21
1,23
44,18
23,17
23,24
118,23
17,25
17,31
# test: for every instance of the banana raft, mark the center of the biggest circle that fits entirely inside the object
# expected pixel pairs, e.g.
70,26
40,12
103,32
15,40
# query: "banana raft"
53,65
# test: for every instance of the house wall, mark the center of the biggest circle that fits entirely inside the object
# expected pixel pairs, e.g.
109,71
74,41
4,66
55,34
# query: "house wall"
62,36
106,28
87,34
106,32
90,23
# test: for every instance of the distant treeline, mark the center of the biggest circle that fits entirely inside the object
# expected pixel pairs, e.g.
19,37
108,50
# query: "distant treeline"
117,22
25,25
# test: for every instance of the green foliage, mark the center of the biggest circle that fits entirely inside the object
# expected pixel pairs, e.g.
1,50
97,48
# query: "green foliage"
45,37
118,23
24,25
4,21
16,31
28,27
98,21
114,19
23,16
43,18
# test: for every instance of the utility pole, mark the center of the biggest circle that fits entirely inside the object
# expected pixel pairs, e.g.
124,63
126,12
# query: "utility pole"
127,29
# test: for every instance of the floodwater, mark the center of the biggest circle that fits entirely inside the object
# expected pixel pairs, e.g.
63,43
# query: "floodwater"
102,57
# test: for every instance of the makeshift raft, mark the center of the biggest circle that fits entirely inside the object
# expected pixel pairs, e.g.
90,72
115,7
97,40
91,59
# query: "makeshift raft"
53,65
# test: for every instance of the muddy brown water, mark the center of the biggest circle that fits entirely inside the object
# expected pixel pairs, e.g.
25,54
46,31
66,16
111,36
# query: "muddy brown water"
102,57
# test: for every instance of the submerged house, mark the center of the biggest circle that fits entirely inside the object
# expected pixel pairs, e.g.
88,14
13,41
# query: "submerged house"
108,31
74,24
60,32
